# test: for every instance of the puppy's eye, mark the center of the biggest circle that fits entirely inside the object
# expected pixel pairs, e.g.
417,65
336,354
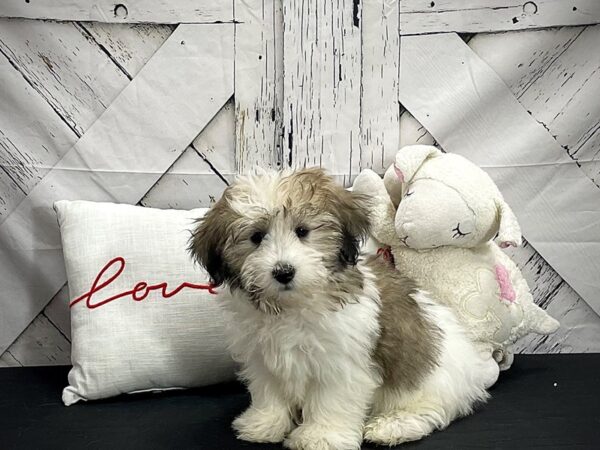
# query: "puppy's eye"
257,237
409,193
301,232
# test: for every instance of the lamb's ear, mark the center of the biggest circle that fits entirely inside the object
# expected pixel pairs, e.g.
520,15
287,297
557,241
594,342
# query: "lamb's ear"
393,185
207,241
509,231
408,161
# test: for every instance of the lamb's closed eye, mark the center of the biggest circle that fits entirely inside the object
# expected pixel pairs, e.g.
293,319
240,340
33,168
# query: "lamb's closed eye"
457,232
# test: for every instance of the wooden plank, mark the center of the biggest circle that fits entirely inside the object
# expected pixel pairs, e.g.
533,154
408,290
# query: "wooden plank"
8,360
63,65
259,84
442,87
146,11
412,132
47,71
322,73
189,183
579,326
476,16
41,344
216,143
57,312
32,137
128,45
379,106
110,162
563,90
10,194
197,179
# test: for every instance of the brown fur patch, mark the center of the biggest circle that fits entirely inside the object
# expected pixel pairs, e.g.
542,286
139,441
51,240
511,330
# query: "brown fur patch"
409,345
312,186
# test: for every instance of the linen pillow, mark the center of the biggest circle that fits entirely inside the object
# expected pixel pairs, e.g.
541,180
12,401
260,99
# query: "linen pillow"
142,316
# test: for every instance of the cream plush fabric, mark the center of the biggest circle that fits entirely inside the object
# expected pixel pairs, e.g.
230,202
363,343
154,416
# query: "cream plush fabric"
439,213
152,336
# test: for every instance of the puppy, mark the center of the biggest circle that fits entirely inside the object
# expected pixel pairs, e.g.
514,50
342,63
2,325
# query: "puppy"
333,347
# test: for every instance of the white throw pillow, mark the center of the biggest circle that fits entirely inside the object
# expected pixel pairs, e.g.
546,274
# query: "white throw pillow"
150,323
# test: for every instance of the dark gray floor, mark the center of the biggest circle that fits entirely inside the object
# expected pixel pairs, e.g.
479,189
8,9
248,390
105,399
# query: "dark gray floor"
550,401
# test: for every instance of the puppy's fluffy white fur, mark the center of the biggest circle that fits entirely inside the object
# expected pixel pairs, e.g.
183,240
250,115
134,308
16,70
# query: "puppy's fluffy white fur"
308,348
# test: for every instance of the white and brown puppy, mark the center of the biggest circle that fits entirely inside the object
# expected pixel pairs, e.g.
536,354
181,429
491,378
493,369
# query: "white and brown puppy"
333,347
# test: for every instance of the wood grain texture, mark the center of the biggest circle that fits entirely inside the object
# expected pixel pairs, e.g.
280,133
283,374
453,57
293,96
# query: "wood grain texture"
41,344
57,312
322,73
380,65
443,87
63,64
197,179
216,143
412,132
56,82
165,111
129,46
146,11
580,325
579,330
475,16
258,84
32,137
189,183
563,89
8,360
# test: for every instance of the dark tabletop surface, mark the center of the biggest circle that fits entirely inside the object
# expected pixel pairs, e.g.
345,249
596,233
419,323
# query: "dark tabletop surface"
543,401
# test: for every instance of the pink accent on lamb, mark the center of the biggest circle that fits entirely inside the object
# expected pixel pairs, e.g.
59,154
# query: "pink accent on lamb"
506,288
507,244
399,174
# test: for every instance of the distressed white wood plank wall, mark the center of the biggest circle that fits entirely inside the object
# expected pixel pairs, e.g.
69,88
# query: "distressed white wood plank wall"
562,92
321,84
259,84
476,16
530,63
147,11
380,65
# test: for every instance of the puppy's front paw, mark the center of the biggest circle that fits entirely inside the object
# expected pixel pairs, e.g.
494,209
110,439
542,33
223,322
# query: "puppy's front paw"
262,425
397,428
313,437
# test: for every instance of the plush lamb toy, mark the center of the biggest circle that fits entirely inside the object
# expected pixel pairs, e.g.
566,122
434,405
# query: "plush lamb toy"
439,213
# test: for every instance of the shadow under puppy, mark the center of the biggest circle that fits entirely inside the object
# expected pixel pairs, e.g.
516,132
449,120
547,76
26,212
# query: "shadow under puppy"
333,347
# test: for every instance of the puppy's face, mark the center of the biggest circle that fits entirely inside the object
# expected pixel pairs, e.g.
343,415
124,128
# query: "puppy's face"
283,237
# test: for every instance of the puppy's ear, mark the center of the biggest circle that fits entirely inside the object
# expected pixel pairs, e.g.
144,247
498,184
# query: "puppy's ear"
355,225
208,239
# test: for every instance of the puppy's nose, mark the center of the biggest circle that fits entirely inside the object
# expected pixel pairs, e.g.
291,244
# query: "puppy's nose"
284,273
